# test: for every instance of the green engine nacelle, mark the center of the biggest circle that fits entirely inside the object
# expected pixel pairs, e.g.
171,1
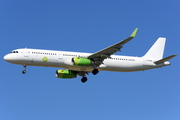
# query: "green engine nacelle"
65,74
81,61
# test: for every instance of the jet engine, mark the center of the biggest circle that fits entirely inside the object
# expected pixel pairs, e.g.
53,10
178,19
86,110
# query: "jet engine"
66,74
77,61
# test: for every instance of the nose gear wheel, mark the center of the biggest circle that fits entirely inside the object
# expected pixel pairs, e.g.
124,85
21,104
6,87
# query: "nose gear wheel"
24,71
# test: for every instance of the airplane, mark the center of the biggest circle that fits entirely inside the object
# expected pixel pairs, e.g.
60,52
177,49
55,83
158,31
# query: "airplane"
78,63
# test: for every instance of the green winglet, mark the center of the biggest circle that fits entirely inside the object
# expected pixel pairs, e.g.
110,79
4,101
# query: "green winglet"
134,32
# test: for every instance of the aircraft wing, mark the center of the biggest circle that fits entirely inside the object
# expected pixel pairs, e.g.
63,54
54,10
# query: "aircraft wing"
99,56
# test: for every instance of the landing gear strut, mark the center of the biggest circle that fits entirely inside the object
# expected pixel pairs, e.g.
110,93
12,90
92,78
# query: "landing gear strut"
84,79
95,71
24,71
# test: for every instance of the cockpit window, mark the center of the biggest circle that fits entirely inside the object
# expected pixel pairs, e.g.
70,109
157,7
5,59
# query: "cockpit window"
14,51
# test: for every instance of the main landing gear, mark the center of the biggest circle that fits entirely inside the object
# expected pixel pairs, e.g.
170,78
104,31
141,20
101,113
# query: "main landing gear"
84,78
95,71
24,71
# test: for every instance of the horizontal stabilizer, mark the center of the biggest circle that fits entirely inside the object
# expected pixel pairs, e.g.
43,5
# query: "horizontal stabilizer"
164,59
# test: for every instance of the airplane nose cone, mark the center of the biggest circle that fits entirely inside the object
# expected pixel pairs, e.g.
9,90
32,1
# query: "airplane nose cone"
7,57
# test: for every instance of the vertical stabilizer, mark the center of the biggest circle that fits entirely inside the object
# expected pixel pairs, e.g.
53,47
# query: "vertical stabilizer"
157,50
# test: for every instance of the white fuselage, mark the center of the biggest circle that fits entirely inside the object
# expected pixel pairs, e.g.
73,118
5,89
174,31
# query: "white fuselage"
62,59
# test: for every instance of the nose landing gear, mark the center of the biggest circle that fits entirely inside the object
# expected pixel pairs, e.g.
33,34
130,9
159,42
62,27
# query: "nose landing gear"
24,71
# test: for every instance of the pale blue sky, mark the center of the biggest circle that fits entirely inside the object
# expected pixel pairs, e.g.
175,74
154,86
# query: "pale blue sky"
89,26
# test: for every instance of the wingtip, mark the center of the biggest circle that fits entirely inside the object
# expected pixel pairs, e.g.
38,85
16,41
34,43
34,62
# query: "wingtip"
174,55
134,32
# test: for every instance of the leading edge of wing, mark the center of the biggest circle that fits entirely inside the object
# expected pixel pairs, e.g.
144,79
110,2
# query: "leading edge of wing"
113,48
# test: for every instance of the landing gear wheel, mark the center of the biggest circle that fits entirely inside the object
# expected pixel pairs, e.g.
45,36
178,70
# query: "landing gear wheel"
24,71
84,79
95,71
